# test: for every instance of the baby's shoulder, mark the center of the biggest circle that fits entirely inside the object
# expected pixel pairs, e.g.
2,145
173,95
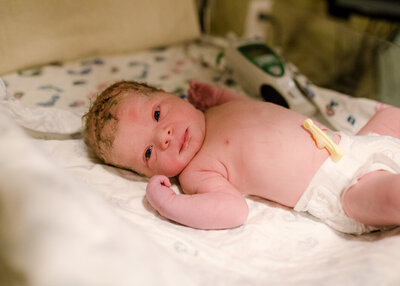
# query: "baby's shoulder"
201,171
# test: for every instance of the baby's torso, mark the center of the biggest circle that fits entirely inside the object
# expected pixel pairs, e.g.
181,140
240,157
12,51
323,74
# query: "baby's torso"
261,149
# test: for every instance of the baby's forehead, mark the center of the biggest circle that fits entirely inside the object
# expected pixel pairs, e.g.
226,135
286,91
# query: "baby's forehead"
137,98
130,105
130,98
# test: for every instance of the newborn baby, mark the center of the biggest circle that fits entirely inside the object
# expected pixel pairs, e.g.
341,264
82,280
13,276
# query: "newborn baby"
223,145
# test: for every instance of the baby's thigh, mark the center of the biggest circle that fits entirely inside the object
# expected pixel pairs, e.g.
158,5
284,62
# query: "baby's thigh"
374,199
384,122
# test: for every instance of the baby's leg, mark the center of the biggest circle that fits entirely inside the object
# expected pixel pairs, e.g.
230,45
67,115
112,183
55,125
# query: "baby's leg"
374,199
204,96
385,122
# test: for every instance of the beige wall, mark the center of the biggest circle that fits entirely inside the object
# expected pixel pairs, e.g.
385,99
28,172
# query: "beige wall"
34,32
228,15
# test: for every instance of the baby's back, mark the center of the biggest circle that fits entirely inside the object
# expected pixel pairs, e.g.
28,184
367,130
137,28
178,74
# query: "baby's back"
263,148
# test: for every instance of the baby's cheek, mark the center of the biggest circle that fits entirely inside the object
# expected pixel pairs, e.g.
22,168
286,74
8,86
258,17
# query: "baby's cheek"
170,168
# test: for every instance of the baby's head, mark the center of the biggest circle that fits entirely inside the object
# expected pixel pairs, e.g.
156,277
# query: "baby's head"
138,127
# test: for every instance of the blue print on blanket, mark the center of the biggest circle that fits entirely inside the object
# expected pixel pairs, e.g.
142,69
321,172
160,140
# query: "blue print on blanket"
351,120
54,98
77,103
50,87
330,108
159,58
83,71
30,72
98,62
51,102
143,69
88,66
79,82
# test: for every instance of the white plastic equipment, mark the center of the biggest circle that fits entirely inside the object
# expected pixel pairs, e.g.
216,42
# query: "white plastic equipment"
261,71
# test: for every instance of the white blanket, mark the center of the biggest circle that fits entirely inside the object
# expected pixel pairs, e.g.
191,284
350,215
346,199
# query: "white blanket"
67,219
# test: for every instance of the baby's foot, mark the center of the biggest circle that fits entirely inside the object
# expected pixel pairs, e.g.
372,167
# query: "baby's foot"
202,95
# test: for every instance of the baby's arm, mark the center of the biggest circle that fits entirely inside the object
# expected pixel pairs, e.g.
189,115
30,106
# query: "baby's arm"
203,96
223,207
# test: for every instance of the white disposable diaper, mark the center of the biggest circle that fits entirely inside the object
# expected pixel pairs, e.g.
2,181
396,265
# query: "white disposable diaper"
364,154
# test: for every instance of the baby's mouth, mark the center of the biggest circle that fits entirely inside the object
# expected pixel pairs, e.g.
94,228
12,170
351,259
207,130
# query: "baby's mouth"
184,140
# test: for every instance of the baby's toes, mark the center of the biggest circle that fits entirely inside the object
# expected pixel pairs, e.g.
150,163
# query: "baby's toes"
192,96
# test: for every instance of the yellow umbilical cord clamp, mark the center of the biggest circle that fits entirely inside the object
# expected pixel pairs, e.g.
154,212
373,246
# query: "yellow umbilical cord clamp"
323,141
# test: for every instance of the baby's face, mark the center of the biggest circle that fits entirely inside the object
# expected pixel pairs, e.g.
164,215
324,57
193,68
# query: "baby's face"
157,134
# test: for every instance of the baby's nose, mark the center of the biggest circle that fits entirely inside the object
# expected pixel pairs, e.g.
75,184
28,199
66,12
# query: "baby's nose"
165,136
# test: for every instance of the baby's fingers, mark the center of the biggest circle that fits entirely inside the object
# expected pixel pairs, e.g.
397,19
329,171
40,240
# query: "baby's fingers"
158,191
159,180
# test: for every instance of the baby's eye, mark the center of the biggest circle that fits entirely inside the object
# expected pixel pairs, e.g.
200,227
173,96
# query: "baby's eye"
157,114
148,153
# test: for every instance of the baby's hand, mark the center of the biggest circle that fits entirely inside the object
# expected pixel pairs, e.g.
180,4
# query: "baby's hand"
158,191
203,96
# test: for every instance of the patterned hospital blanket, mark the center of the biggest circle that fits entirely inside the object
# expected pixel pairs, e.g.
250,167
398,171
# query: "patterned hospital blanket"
70,86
